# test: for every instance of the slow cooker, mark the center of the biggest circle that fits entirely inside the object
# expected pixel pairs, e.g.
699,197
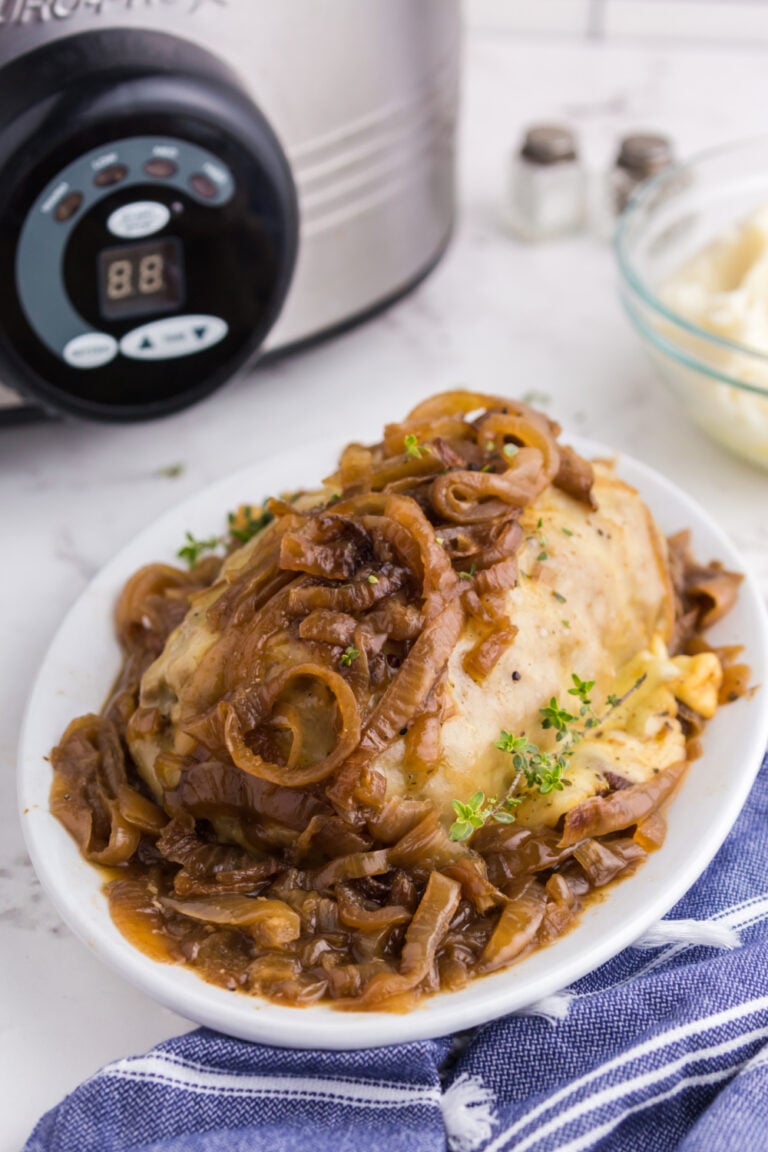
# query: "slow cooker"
185,184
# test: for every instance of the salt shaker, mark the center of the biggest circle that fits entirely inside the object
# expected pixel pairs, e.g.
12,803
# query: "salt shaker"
640,156
546,196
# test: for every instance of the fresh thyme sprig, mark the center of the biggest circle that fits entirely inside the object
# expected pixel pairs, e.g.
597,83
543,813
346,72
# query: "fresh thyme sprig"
349,656
478,810
172,471
245,523
242,526
534,396
542,771
193,549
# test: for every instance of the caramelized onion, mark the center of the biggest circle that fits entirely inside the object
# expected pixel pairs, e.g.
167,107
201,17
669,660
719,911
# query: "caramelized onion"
358,596
354,867
517,928
422,744
470,871
139,811
426,845
331,547
736,678
271,922
497,578
154,601
253,584
651,833
211,789
397,817
429,924
437,427
297,777
89,776
715,592
472,497
396,619
600,815
529,430
462,402
330,837
209,867
705,593
575,475
402,699
604,862
480,661
339,629
355,468
354,915
439,579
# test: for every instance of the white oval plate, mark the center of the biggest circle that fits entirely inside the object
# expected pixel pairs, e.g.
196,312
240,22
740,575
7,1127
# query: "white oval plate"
84,659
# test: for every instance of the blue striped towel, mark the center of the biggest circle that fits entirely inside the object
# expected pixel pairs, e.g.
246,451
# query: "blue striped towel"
665,1047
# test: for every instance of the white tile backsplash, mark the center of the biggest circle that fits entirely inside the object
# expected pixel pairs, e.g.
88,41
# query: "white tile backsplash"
728,22
711,20
560,17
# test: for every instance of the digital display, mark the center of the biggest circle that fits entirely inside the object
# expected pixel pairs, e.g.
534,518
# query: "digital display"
139,279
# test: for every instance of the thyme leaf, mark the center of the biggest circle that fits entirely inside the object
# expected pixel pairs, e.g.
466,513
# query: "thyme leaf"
193,548
413,450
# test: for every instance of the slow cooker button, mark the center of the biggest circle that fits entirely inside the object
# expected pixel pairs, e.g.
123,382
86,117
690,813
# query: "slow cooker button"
143,218
67,207
174,337
204,186
91,350
113,174
160,169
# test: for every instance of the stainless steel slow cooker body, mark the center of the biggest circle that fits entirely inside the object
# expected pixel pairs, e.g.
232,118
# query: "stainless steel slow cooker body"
189,183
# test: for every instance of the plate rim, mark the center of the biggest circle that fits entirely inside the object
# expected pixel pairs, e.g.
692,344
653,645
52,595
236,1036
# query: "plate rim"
250,1018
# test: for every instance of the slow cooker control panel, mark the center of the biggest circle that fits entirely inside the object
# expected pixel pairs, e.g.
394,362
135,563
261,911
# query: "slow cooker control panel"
117,258
134,259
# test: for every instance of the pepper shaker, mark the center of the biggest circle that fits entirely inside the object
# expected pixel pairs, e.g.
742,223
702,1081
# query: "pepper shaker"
546,195
640,156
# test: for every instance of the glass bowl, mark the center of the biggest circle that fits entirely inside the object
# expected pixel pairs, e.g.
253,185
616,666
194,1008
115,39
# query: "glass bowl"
721,382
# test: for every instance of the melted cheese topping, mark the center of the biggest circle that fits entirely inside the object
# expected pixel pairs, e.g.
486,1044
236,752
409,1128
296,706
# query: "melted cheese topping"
641,736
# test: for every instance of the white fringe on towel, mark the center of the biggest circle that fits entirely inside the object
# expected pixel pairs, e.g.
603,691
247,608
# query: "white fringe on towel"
552,1008
708,933
468,1113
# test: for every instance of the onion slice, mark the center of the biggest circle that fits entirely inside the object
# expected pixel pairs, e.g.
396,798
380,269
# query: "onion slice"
276,923
255,765
600,815
429,925
516,930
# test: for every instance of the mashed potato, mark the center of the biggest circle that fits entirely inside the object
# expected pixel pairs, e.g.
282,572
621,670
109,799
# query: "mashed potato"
724,290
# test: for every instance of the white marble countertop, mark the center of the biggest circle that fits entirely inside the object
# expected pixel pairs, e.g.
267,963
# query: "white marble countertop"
495,315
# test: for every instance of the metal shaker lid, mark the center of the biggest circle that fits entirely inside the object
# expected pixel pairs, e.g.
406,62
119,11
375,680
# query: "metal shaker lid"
644,153
549,144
